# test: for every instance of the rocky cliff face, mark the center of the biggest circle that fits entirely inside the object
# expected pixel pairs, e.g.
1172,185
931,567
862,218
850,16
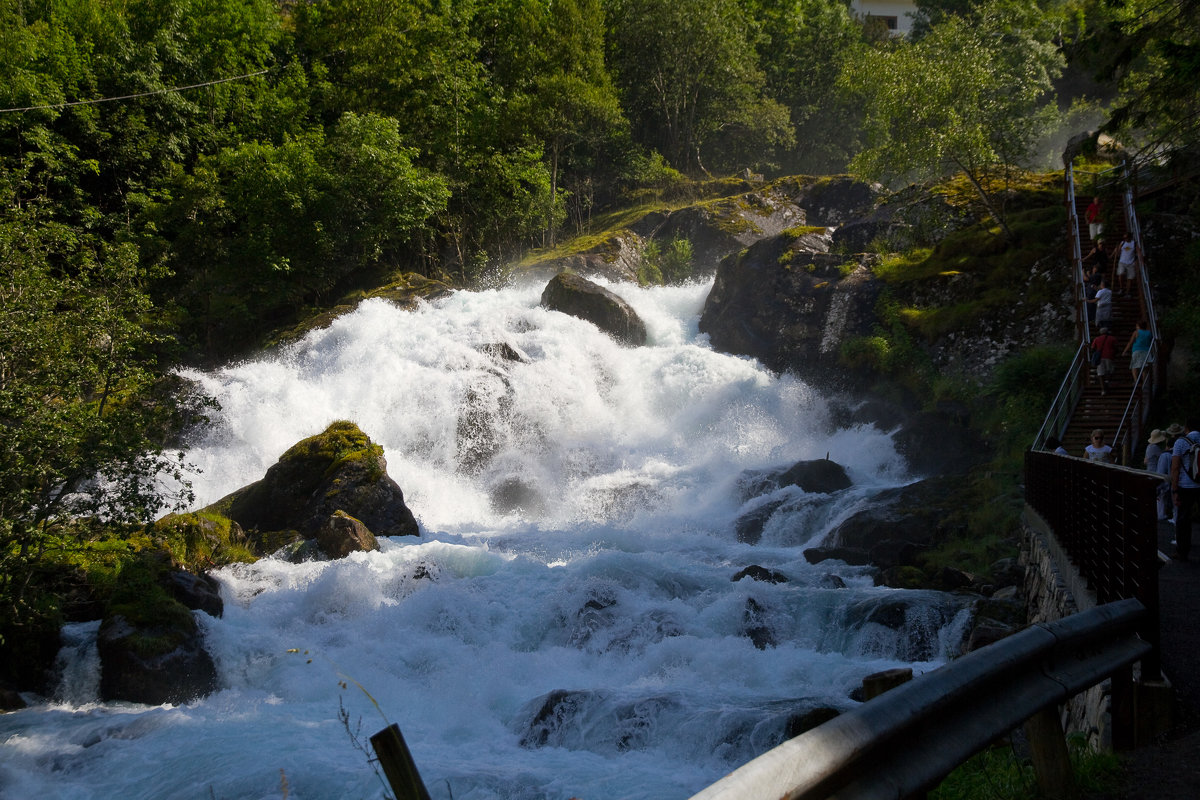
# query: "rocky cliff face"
790,303
719,227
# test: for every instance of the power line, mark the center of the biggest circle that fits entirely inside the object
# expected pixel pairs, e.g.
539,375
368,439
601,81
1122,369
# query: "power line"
132,96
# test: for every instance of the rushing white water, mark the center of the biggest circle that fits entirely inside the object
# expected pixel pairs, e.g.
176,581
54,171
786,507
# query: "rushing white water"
576,510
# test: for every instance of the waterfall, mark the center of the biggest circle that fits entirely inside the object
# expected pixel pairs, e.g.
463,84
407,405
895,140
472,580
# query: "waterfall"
566,624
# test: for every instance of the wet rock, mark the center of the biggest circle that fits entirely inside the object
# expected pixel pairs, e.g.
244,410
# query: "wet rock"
10,699
755,572
502,351
342,535
790,303
163,661
579,297
921,514
515,494
338,470
749,526
902,578
755,627
197,592
816,476
831,581
854,556
987,632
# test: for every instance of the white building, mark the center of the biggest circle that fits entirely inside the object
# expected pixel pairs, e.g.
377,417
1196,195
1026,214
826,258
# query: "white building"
894,13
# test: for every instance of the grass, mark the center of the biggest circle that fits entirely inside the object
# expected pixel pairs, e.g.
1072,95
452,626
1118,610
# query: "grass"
998,773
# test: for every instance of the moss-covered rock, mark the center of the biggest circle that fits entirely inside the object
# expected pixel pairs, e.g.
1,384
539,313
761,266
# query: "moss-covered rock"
340,469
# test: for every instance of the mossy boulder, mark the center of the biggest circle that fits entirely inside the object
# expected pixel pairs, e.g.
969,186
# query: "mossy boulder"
200,540
157,662
579,297
340,469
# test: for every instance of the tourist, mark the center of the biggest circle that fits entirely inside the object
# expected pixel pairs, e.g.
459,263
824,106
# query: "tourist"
1103,303
1098,450
1138,348
1154,449
1125,263
1055,445
1186,489
1099,254
1093,216
1167,507
1104,348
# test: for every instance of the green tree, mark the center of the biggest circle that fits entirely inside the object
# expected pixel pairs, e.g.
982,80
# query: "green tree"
692,84
971,97
83,410
547,61
803,48
258,231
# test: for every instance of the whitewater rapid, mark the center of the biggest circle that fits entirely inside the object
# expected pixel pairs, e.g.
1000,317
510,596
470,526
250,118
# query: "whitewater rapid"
566,625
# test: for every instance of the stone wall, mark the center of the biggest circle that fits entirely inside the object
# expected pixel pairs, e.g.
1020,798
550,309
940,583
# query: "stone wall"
1053,590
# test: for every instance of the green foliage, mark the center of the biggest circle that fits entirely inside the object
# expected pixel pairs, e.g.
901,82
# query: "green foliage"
969,97
262,229
666,265
803,47
701,98
79,401
997,773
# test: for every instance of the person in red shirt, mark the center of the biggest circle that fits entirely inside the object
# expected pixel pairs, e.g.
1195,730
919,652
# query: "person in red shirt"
1105,346
1092,214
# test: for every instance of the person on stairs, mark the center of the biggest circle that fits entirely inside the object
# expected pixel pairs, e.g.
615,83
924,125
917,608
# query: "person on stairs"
1098,450
1185,487
1093,216
1103,302
1125,263
1138,348
1105,348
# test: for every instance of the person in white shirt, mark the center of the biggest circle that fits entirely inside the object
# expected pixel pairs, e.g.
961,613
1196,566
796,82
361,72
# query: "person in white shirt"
1098,450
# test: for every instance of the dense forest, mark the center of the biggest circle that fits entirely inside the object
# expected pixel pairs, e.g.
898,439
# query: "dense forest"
179,177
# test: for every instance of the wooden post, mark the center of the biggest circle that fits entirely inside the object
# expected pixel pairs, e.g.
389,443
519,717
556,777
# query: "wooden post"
1048,749
877,683
398,764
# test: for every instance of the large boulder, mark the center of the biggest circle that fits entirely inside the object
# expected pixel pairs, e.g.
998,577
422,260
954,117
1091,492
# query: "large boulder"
790,303
154,663
579,297
340,469
899,524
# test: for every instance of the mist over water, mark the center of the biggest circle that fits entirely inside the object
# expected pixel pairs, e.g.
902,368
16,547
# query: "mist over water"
564,626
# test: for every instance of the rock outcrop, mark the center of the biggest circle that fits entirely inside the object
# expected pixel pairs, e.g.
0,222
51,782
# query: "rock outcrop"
338,470
154,662
579,297
746,212
790,303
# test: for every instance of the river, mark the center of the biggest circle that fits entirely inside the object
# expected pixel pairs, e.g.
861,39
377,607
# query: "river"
567,623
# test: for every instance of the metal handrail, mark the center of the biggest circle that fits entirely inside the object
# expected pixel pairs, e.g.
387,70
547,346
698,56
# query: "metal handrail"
1069,392
908,739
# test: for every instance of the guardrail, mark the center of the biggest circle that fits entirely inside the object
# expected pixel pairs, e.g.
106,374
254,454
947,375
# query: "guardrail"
1105,518
1063,407
906,741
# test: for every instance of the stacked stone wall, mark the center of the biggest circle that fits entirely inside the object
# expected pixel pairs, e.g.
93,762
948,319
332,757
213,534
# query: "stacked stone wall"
1054,589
